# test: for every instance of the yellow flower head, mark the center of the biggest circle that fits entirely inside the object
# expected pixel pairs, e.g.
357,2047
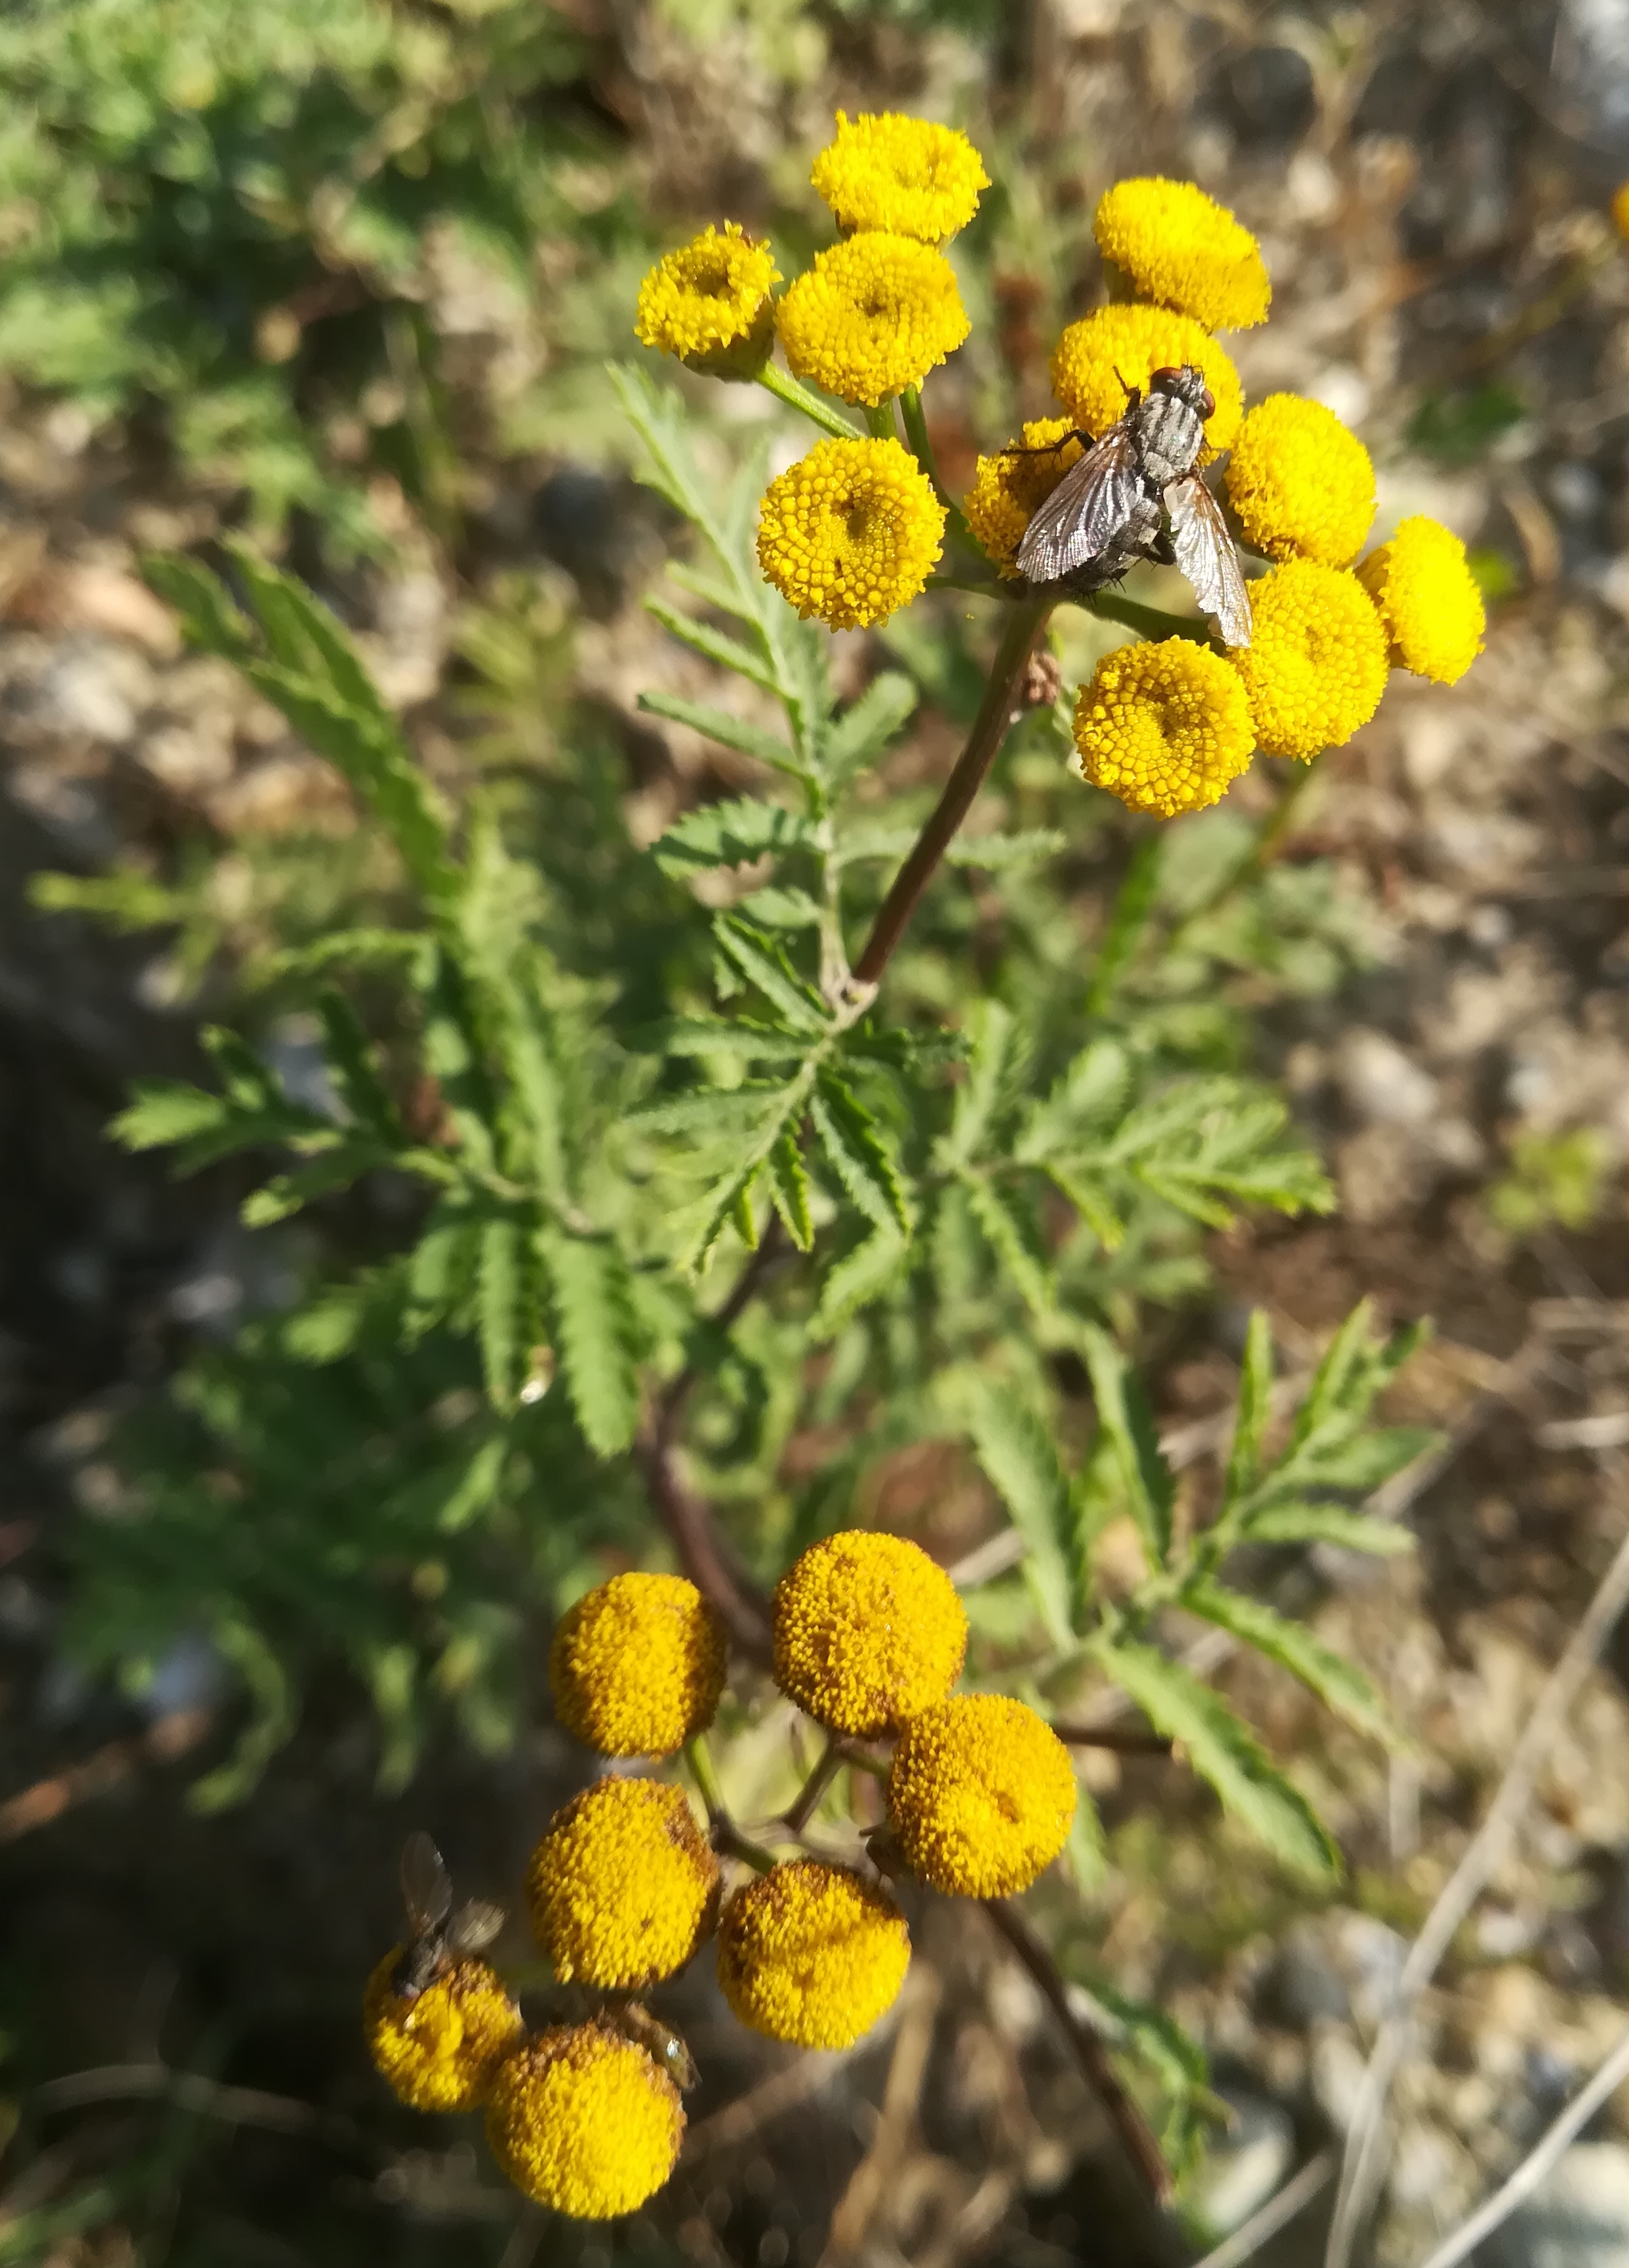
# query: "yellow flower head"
439,2049
1008,490
1620,209
1132,342
901,174
709,303
637,1665
622,1889
873,315
1164,728
868,1629
1316,665
583,2120
850,533
982,1795
1428,600
811,1955
1301,482
1181,247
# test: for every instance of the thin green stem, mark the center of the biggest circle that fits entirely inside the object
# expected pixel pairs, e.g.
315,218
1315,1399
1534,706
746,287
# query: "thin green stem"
699,1757
921,448
1024,625
880,421
785,389
1152,622
802,1809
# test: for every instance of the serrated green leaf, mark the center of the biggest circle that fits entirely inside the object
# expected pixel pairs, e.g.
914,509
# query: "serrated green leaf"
718,724
1255,1407
715,645
351,1065
1021,1464
860,1277
1088,1098
1225,1752
1327,1523
729,834
992,1083
1146,1481
729,1193
291,1193
1365,1460
722,1035
998,853
764,963
1330,1396
597,1337
854,1144
789,1187
867,725
209,618
1088,1200
1336,1682
713,1110
499,1294
164,1111
1013,1233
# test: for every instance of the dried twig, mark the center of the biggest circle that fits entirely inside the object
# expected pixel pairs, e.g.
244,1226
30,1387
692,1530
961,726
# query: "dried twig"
1362,2165
168,1737
901,2096
1122,2113
1279,2211
1537,2164
204,2097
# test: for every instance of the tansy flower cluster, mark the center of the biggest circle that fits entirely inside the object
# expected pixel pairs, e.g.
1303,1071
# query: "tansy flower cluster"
856,528
623,1888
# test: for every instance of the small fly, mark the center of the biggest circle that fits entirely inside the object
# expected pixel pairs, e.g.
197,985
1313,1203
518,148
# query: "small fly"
1136,494
659,2041
437,1936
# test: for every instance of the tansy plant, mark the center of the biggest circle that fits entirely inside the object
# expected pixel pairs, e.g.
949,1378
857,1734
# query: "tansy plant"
706,1176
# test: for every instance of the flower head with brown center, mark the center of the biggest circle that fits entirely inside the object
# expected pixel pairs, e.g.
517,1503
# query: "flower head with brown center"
1121,346
1316,665
907,175
850,533
1180,248
584,2121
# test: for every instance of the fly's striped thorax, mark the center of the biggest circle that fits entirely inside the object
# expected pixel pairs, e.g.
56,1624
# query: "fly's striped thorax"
1170,435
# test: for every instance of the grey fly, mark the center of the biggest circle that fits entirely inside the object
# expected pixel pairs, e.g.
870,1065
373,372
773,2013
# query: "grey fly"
1136,494
437,1936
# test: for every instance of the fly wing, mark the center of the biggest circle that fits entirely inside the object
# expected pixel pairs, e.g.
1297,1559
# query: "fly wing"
1084,513
1206,554
426,1885
474,1925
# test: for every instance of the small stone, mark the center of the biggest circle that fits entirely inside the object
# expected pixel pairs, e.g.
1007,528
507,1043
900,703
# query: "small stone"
1245,2165
1578,2217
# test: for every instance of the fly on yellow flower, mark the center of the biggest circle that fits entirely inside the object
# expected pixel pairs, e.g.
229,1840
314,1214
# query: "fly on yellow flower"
1009,486
873,315
1112,348
906,175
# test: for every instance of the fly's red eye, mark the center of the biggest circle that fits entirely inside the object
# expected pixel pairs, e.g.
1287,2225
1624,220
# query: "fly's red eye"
1208,404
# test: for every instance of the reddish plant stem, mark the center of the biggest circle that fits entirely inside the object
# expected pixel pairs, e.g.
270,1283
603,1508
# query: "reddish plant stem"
1129,2125
1024,625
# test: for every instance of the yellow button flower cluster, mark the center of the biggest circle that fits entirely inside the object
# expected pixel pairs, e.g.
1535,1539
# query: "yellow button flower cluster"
1301,484
811,1955
982,1795
1316,665
438,2050
622,1887
637,1665
873,315
867,1631
583,2120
